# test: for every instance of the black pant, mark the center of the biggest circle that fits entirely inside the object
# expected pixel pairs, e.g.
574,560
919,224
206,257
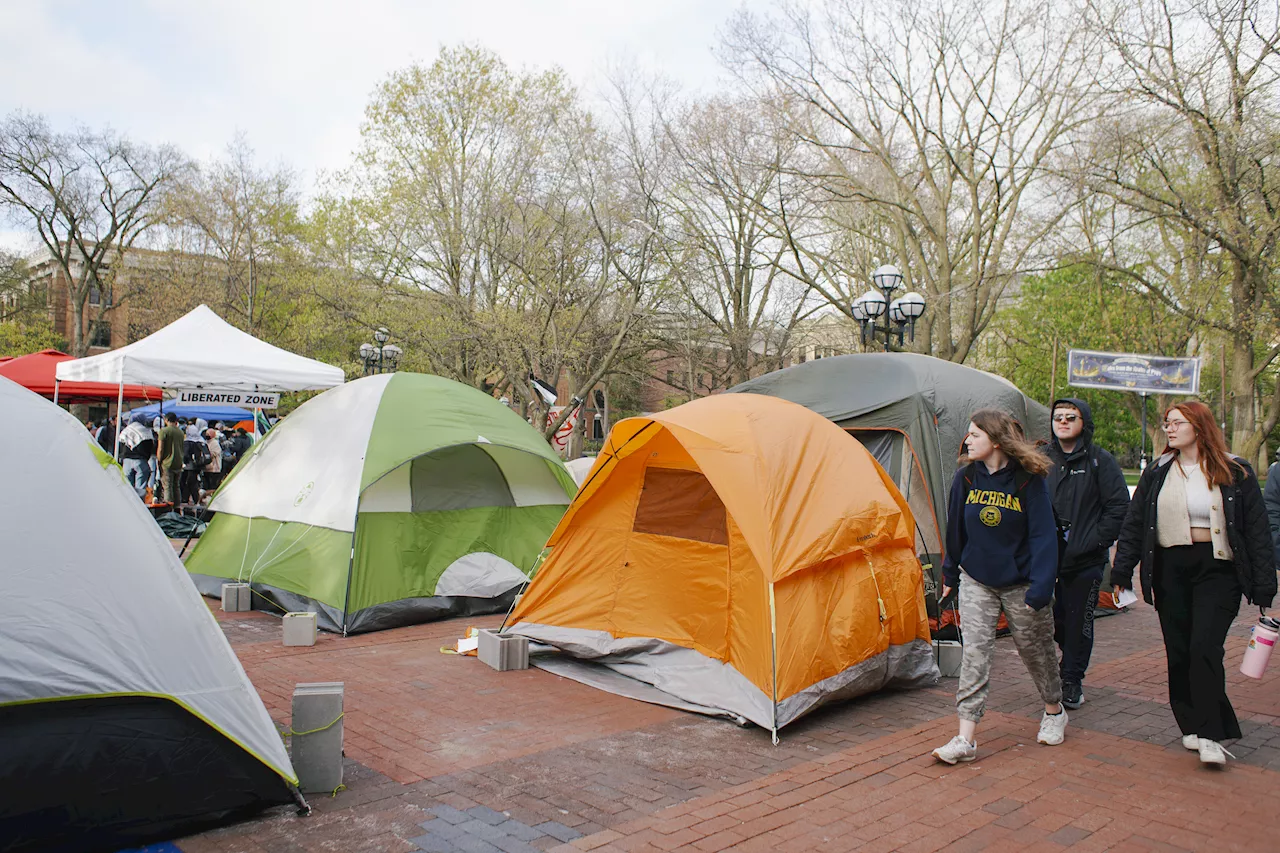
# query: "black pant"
1197,598
1075,597
190,487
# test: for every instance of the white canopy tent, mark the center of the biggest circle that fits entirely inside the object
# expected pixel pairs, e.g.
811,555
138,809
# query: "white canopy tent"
201,350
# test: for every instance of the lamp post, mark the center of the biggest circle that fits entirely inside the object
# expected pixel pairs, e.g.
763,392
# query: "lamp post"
381,358
899,314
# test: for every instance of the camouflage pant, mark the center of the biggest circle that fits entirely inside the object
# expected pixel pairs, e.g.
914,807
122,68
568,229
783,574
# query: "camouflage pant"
1032,631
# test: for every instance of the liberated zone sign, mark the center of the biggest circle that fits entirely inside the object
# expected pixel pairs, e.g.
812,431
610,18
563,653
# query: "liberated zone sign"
243,399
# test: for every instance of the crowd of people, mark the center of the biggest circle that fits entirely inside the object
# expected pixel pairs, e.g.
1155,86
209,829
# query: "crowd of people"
177,461
1029,533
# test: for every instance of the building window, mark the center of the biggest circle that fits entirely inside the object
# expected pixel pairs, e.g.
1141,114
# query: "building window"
99,333
671,378
95,296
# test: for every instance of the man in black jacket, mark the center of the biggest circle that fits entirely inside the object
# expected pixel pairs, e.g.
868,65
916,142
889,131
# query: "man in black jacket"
1271,498
1090,497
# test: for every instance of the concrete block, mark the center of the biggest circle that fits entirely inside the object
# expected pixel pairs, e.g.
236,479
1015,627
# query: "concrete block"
299,629
949,654
236,597
503,652
317,752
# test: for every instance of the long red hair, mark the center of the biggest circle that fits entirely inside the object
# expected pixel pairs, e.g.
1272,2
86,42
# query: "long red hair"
1215,459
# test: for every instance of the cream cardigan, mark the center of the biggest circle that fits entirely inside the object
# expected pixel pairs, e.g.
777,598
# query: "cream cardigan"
1173,522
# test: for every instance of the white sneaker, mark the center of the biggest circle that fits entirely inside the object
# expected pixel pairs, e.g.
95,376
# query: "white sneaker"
957,749
1053,728
1191,742
1212,752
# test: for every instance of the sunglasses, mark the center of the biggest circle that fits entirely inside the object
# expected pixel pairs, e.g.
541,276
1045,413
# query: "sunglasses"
1066,419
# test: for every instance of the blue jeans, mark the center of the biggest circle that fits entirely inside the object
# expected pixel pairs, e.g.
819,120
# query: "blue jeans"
138,473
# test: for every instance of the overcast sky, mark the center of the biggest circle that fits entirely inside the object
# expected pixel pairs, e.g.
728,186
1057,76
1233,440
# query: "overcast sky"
294,77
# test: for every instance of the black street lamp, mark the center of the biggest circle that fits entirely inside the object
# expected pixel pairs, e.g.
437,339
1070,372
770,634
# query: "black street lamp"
899,314
381,358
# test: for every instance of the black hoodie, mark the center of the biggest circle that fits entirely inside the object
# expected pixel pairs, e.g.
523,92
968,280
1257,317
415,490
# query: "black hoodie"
1089,495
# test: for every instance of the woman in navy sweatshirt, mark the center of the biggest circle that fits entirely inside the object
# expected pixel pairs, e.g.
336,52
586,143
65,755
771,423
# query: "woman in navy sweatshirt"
1002,551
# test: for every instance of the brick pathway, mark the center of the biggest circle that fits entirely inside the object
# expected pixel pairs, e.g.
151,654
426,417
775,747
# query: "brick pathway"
444,754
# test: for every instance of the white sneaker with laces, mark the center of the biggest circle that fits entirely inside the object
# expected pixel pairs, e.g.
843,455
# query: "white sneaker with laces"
1212,752
1053,728
1191,742
955,750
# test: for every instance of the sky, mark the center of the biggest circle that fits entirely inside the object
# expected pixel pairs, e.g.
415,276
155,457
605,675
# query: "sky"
294,77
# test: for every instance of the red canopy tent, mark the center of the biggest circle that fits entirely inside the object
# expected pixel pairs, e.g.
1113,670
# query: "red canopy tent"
36,372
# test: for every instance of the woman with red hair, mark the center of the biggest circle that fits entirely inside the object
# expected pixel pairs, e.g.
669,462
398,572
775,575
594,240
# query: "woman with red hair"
1198,527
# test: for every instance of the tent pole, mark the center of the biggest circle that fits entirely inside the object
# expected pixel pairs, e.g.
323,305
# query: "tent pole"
115,453
773,637
351,566
55,390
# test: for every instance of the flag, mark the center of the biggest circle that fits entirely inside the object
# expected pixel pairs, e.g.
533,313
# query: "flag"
545,391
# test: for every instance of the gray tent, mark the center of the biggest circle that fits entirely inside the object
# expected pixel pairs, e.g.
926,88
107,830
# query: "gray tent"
911,411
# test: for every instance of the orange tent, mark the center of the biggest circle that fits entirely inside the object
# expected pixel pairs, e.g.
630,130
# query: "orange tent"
739,553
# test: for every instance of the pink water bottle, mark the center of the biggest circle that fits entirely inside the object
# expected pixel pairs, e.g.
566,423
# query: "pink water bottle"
1265,635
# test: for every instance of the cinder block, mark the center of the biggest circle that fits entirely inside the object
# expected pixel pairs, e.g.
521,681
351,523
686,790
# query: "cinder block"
316,745
299,629
236,597
949,654
503,652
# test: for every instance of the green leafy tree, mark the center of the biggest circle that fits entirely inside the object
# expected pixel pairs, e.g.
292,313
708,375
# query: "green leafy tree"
1078,307
21,337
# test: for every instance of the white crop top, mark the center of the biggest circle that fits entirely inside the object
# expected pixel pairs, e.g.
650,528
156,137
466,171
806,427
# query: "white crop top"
1199,498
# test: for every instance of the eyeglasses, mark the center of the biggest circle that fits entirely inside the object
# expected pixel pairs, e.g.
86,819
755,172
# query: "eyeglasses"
1175,424
1066,419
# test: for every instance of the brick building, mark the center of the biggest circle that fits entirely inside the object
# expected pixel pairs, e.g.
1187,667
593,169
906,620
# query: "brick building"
138,301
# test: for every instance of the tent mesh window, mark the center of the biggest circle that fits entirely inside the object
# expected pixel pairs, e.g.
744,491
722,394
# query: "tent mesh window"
681,504
458,478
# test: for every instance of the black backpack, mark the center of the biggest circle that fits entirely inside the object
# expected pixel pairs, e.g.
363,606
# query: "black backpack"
1021,478
196,454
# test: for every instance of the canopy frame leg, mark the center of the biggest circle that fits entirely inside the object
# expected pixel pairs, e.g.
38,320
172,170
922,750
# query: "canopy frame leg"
115,452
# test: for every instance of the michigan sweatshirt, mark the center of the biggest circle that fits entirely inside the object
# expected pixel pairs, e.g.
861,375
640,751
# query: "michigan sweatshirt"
1002,535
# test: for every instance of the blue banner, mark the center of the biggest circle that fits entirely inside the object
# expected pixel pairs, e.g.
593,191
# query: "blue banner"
1141,374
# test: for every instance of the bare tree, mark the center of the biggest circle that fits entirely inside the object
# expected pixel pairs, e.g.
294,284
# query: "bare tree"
729,174
1197,155
89,195
940,116
245,217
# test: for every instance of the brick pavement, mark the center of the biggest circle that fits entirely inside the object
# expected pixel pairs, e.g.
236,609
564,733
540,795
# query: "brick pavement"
445,754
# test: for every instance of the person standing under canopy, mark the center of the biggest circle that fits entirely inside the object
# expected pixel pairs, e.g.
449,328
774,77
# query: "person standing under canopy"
169,459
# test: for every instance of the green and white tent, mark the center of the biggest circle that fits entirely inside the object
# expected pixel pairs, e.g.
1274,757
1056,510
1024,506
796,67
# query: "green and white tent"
390,500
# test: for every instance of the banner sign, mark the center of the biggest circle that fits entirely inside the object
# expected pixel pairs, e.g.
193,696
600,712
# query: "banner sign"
240,399
560,441
1143,374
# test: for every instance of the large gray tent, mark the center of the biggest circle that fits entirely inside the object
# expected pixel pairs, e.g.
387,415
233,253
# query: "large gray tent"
911,411
125,716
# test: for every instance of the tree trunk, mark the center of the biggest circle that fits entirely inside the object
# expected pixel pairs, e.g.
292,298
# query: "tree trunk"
1243,439
79,343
